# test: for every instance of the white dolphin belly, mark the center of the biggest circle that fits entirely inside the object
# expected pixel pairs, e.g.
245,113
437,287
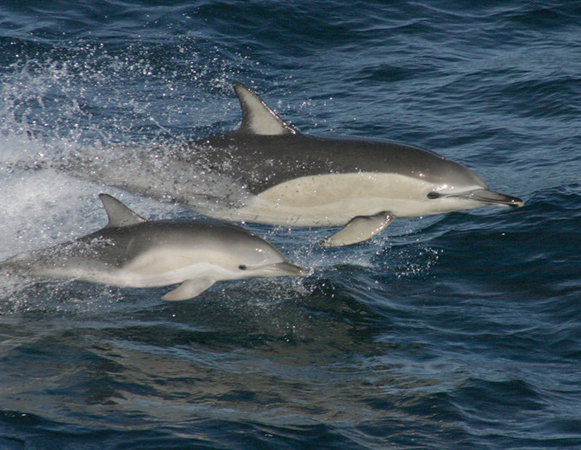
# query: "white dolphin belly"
164,266
334,199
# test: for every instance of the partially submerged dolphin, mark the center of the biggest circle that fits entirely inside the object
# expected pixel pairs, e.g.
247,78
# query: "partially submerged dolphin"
267,172
133,252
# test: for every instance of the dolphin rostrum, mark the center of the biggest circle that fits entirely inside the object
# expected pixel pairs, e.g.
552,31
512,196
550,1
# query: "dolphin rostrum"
268,172
133,252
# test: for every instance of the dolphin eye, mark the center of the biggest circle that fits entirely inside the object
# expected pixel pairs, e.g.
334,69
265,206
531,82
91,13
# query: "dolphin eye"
242,267
432,195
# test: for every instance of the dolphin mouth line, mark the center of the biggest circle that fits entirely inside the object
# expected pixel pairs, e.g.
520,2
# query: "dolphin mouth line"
287,269
491,197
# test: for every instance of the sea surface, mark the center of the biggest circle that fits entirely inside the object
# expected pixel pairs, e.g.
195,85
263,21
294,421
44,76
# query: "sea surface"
456,331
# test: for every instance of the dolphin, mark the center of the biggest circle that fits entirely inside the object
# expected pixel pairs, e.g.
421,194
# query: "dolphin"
268,172
133,252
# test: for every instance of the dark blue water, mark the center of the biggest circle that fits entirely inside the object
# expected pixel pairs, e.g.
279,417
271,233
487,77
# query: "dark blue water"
460,331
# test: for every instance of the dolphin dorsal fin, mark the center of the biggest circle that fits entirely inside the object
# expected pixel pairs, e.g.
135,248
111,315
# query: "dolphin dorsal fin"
119,214
257,117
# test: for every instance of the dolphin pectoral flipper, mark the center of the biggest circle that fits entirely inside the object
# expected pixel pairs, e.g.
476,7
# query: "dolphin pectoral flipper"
359,229
188,289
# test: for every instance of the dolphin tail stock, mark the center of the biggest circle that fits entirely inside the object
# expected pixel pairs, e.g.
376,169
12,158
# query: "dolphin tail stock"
359,229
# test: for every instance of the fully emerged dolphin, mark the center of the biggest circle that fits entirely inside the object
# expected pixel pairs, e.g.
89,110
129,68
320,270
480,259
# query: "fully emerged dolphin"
133,252
268,172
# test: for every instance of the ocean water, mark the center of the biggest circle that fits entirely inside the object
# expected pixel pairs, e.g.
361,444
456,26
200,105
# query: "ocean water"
458,331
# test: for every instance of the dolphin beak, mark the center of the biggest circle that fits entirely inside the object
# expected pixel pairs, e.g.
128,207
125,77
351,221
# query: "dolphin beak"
495,198
284,269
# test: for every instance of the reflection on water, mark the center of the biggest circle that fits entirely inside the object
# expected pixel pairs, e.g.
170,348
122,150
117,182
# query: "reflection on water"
297,356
